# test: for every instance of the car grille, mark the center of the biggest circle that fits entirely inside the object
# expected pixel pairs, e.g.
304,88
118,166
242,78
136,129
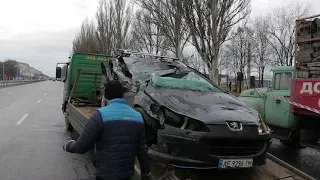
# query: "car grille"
228,147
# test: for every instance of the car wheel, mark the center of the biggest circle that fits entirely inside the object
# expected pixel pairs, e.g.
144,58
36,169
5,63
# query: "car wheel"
150,128
69,127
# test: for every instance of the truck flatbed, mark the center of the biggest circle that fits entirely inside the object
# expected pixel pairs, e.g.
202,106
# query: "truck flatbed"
79,116
274,169
87,111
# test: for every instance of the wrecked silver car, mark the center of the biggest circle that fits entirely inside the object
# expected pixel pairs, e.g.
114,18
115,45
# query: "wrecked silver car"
190,122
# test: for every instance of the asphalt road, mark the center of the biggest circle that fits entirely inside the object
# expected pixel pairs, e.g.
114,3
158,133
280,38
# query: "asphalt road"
32,133
306,159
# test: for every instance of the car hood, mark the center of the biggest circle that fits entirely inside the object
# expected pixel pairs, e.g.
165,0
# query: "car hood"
208,107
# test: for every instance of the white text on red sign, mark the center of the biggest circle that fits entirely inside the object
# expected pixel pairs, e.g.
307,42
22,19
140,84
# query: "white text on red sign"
308,88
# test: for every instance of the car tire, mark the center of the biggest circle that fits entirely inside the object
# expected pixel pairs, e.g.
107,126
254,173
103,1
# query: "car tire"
69,127
150,128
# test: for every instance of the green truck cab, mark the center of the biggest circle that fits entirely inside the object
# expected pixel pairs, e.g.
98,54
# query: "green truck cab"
291,106
289,127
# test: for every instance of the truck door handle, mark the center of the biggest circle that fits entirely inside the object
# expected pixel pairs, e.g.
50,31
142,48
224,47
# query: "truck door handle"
278,100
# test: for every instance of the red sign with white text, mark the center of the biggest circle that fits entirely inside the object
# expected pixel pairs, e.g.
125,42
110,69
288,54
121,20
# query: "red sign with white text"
306,92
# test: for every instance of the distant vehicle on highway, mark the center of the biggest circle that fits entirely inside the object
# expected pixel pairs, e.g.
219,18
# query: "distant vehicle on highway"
190,121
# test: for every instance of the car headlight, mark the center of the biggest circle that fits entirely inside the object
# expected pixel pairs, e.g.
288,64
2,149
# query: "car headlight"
184,122
261,129
261,124
195,125
166,116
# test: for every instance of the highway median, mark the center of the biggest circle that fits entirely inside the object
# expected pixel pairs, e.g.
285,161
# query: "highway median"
4,84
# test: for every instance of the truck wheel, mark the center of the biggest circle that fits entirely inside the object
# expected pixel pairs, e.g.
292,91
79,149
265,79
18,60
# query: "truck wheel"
150,127
69,127
310,137
64,106
293,141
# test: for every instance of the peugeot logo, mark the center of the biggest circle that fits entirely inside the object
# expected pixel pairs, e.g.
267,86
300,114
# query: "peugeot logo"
234,125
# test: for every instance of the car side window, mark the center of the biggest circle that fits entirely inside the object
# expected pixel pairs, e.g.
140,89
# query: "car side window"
282,81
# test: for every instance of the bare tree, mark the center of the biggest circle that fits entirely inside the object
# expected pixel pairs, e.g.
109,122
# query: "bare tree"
209,23
225,62
238,50
261,46
229,61
114,19
105,27
167,15
122,22
282,31
193,61
146,35
11,69
85,40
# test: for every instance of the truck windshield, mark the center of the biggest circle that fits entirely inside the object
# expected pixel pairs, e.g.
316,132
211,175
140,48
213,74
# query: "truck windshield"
282,81
183,80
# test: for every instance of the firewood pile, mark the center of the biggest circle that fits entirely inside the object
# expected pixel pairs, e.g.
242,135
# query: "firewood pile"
308,54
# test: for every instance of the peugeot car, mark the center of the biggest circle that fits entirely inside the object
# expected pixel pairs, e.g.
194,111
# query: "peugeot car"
190,121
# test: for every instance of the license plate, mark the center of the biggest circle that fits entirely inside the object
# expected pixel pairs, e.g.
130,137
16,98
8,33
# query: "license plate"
235,163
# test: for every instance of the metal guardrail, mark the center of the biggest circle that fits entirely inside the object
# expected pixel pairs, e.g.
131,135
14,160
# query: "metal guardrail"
16,82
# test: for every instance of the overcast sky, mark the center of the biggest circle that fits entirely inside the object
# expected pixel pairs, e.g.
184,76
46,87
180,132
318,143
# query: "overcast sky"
40,32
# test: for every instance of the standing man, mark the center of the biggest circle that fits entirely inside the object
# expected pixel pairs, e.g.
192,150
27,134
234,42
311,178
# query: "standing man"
119,134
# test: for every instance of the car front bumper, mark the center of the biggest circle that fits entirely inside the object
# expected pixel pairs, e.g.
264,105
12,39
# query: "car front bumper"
203,150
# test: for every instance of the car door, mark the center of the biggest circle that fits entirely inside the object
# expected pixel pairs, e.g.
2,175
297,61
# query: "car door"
277,112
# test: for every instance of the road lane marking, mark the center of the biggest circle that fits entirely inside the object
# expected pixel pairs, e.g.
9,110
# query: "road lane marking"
22,119
9,105
10,93
49,90
45,94
39,101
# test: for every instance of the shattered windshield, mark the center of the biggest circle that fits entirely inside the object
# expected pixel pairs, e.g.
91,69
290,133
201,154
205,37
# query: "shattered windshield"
183,80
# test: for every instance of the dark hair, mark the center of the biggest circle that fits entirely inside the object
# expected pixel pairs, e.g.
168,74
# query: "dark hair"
113,89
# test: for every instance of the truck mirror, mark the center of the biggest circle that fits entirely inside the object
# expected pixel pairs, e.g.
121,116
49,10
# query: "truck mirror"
58,72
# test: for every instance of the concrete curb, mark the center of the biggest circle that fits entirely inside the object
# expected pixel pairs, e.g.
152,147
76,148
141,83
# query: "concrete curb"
288,166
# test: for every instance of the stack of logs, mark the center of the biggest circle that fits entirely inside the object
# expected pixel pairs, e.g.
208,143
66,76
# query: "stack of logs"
308,55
